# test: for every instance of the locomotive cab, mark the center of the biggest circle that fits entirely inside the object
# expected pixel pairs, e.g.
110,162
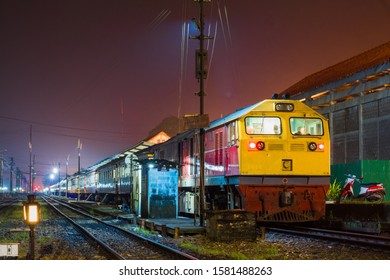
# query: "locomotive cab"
284,161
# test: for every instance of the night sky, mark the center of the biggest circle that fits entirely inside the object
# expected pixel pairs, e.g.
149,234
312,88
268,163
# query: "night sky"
107,72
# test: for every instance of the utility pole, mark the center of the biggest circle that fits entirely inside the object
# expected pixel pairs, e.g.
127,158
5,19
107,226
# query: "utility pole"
2,170
59,179
18,179
11,172
32,172
201,74
131,200
1,174
31,162
79,147
66,176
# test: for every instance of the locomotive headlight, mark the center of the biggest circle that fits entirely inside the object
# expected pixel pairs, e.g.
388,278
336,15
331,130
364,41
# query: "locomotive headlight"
260,145
284,107
312,146
252,145
316,147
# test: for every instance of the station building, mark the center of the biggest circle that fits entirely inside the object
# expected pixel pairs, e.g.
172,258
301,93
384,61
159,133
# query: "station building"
355,97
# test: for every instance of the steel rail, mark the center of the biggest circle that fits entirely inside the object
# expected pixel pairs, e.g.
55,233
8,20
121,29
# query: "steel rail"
352,237
132,234
84,231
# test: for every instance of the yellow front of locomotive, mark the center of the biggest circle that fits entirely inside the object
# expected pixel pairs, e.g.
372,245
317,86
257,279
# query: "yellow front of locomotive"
284,161
284,138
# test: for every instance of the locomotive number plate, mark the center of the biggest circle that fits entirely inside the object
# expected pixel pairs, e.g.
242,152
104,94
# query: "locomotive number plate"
287,165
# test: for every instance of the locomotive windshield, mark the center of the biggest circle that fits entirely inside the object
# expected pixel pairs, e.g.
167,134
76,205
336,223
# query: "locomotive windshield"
306,126
263,125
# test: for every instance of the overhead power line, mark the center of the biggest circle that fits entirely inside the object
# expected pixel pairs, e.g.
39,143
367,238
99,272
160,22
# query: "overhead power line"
61,126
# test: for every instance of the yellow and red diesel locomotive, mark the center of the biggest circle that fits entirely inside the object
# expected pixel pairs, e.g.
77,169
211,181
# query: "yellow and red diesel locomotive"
272,158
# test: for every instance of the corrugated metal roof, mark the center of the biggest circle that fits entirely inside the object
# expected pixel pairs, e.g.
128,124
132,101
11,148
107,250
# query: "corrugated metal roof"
136,148
139,147
346,68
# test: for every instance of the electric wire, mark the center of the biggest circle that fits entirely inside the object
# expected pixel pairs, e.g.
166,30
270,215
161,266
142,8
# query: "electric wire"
60,126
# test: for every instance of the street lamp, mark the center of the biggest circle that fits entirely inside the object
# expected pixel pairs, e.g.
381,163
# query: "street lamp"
31,215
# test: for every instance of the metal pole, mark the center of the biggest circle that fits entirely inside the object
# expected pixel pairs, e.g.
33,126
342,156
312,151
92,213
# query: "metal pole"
32,243
131,204
31,163
2,170
59,179
201,56
79,146
66,177
202,131
1,174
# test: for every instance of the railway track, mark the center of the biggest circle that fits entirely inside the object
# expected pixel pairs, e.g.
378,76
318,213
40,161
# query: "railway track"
118,243
335,235
8,202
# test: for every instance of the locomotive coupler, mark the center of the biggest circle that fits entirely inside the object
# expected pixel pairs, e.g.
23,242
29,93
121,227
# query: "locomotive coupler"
286,198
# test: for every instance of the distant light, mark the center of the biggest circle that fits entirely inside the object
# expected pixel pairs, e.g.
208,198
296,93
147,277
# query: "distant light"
151,165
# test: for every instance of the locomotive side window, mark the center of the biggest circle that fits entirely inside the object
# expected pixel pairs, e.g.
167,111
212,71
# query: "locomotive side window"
232,133
263,125
306,126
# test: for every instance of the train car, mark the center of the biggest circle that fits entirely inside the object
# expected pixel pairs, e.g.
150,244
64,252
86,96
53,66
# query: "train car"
272,158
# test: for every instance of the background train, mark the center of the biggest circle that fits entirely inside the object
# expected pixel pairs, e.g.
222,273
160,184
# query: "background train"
271,158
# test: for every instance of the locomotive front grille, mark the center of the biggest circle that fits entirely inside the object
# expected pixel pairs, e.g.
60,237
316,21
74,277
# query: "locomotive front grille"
286,216
297,147
275,147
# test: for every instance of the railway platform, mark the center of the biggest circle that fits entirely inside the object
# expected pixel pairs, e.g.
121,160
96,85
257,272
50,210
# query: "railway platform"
360,217
167,226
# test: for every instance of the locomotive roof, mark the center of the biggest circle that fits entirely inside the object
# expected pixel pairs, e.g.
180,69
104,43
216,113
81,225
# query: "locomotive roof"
265,105
243,111
233,116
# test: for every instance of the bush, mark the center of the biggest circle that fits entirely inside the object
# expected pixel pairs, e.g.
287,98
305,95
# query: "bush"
334,190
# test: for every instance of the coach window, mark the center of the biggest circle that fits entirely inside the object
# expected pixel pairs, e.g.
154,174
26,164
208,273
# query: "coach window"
306,126
263,125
